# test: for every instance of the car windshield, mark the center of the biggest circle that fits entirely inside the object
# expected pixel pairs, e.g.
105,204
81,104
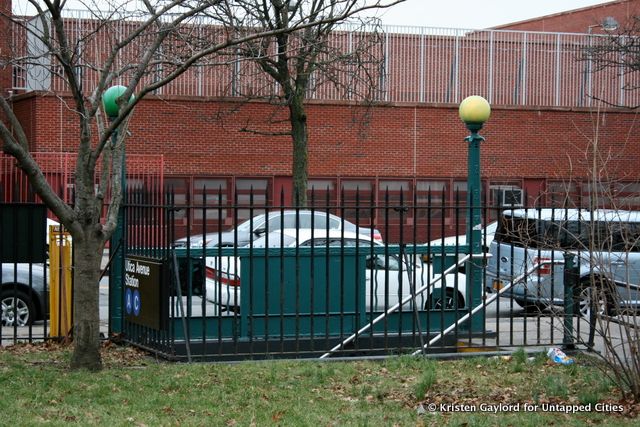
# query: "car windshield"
491,228
245,227
536,233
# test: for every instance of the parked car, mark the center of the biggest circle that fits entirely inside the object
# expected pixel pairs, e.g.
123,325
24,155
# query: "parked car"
488,234
23,294
253,228
383,272
605,245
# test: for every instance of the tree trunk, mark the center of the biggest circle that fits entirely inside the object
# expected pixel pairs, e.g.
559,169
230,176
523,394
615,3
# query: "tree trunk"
299,137
86,309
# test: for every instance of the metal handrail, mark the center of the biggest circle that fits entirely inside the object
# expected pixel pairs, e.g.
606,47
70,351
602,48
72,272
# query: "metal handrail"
485,303
406,299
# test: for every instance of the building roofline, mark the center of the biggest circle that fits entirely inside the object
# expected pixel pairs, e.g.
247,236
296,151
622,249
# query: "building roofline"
566,12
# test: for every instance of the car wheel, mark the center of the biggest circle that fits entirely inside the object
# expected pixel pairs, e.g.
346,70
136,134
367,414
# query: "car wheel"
435,301
593,298
17,309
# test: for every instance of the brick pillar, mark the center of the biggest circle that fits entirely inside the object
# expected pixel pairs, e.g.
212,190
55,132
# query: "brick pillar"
5,47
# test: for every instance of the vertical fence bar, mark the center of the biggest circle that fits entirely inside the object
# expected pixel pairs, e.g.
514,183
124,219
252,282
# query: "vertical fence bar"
218,262
400,291
281,310
558,72
491,72
327,301
203,264
524,74
386,271
312,272
421,97
267,270
456,72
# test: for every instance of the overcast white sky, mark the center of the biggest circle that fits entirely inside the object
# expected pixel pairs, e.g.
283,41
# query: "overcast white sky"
471,14
475,14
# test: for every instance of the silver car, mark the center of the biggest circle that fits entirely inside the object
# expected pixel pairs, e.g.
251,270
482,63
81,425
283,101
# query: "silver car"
23,294
531,245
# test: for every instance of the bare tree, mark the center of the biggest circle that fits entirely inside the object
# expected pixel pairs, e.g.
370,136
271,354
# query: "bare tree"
143,46
618,52
593,233
608,295
298,64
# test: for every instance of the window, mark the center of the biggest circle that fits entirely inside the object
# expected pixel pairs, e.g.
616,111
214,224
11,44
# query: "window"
356,198
331,242
274,241
618,237
563,194
629,237
303,219
321,193
459,196
251,193
396,196
390,262
575,235
506,195
290,220
177,188
430,196
596,195
627,195
515,231
19,77
209,198
457,212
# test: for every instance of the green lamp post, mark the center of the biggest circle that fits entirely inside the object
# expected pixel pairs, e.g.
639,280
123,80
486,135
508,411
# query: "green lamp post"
474,112
116,271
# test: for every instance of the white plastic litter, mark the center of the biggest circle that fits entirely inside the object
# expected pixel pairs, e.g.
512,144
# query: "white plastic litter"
558,356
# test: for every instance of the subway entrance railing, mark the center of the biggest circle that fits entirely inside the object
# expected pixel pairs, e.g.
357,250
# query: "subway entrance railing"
310,283
304,301
319,291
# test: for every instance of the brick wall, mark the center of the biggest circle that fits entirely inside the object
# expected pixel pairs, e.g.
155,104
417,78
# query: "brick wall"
200,137
5,44
579,20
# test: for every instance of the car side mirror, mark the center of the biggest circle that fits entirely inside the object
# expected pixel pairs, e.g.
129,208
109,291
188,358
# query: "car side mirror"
259,231
375,262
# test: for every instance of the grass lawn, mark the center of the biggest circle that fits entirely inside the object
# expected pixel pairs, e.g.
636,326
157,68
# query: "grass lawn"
134,390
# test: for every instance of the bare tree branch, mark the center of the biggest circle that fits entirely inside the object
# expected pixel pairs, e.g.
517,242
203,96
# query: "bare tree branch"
145,49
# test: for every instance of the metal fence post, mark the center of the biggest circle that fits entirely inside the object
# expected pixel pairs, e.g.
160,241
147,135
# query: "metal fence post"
570,282
474,112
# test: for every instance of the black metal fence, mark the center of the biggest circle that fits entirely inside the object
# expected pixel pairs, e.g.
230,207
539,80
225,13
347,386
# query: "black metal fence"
325,281
25,277
213,281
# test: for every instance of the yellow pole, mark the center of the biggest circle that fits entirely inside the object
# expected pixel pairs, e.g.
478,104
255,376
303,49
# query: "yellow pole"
60,291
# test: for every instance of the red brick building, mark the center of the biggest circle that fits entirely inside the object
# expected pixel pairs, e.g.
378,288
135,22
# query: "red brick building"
538,140
584,20
5,44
